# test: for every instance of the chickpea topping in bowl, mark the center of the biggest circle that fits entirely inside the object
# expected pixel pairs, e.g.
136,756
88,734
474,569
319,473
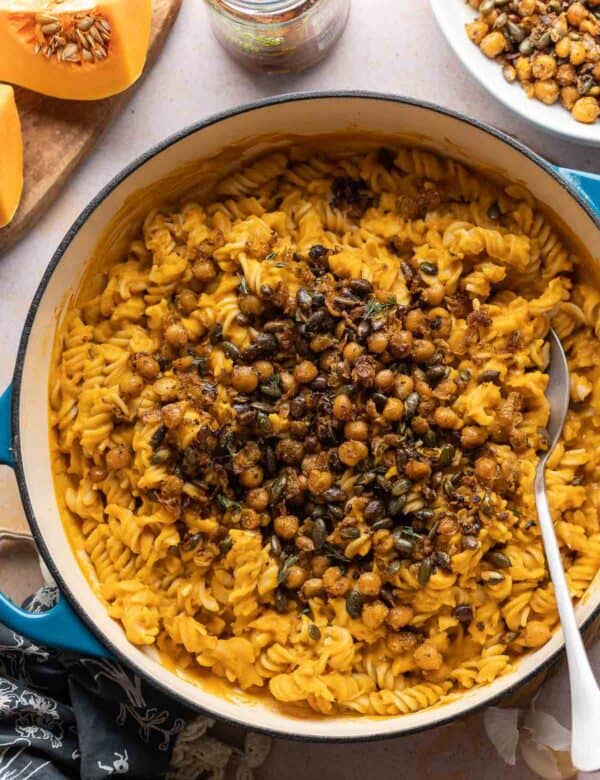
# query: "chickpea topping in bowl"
550,47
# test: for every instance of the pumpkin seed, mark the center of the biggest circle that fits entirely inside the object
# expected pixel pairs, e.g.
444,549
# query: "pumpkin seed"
396,505
277,488
401,487
526,46
350,533
424,573
401,543
354,604
430,269
446,455
281,601
314,632
487,6
51,28
411,405
46,18
70,51
85,23
319,532
499,559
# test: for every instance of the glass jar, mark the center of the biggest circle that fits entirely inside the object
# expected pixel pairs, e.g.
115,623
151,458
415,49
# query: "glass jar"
278,36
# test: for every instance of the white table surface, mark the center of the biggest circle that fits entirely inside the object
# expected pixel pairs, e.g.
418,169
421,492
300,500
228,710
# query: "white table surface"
389,46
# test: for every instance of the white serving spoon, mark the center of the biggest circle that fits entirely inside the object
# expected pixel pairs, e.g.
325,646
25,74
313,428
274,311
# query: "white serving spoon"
585,694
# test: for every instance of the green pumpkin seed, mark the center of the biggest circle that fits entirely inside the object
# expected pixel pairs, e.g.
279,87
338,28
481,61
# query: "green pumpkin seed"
499,559
430,269
492,577
526,46
319,533
396,505
446,455
411,405
277,488
354,604
401,487
424,571
314,632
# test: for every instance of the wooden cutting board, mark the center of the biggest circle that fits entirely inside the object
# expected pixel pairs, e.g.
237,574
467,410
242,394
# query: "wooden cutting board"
58,133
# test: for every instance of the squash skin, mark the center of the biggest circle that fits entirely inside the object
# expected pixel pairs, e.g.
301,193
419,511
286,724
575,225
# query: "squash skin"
130,34
11,156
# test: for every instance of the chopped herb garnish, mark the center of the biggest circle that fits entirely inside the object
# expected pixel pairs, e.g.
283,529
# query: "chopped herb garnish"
226,503
375,307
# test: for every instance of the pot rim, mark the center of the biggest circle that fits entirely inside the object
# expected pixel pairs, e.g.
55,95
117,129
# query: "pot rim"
104,192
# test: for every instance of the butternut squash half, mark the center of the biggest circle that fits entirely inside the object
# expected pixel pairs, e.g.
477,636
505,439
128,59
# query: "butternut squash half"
74,49
11,155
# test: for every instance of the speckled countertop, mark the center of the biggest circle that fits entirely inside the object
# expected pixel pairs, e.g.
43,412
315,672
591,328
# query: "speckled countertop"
389,46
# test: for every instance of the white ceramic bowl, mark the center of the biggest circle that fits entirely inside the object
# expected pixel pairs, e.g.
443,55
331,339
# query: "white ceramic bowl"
452,15
80,621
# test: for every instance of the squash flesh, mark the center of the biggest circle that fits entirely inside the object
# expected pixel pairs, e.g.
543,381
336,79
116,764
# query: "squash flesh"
113,63
11,156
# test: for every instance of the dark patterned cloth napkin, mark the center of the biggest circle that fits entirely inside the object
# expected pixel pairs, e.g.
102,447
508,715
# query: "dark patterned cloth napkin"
67,717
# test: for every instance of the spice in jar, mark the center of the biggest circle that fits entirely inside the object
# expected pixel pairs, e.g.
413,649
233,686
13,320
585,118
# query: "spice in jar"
278,36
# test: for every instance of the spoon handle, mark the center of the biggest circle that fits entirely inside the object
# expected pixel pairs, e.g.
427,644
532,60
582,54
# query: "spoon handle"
585,694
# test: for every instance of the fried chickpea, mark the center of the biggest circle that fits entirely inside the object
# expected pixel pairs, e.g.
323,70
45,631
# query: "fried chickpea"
172,486
187,301
385,379
288,383
446,418
304,544
493,44
417,470
415,321
447,526
352,351
204,270
398,617
286,526
252,477
172,415
305,372
373,615
312,587
436,675
568,97
544,67
477,31
176,335
335,584
577,53
319,481
547,91
428,657
566,75
536,633
264,369
485,468
400,343
393,410
352,452
527,7
523,68
586,110
131,384
97,474
423,350
576,14
472,436
419,425
244,379
404,386
356,431
250,305
434,294
563,48
258,499
319,565
296,577
147,366
369,583
119,457
377,342
401,642
343,408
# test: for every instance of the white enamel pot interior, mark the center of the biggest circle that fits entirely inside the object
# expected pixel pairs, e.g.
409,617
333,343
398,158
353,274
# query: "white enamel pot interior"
303,114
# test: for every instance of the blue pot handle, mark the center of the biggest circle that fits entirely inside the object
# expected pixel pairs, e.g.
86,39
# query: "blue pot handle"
588,185
58,627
